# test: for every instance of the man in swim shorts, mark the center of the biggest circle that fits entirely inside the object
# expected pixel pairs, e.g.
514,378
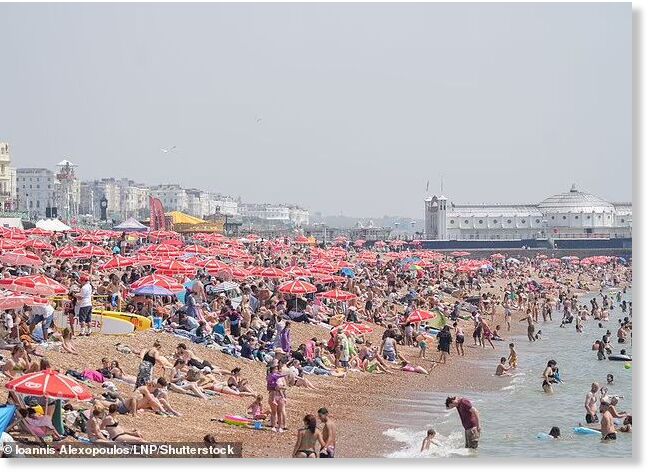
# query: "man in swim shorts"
469,419
590,404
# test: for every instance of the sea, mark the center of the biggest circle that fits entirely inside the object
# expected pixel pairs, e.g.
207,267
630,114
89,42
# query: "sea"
513,416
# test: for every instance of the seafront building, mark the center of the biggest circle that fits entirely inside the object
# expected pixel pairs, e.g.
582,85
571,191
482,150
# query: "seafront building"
7,180
574,214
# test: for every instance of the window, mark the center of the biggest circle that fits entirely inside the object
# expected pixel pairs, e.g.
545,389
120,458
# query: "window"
494,221
564,218
451,221
589,217
508,221
575,217
537,221
523,221
553,217
466,221
622,220
481,221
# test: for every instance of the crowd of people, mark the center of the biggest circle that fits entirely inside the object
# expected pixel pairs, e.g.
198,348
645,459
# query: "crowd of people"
231,296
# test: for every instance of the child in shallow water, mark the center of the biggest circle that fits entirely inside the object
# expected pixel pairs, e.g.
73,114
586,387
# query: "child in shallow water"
428,440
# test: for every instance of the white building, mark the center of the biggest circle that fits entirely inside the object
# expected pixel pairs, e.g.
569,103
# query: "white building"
36,192
223,205
573,214
172,196
299,217
276,212
7,180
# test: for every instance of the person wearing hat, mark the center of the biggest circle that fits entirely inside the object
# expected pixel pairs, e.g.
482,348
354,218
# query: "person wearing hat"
84,297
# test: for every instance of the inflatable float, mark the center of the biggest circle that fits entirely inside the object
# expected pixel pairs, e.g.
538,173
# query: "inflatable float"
99,323
141,323
583,430
620,357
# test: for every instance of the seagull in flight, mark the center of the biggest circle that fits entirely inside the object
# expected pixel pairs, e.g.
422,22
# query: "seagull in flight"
168,150
259,120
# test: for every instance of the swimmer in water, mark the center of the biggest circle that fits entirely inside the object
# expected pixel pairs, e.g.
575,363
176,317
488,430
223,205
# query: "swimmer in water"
548,376
610,379
501,370
554,432
428,440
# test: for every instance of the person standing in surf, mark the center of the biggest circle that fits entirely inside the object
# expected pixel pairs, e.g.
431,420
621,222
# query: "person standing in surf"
469,419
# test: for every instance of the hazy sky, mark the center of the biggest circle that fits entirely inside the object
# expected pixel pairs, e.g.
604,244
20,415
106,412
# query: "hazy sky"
337,107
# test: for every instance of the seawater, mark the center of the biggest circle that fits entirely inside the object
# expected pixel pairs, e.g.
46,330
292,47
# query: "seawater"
513,415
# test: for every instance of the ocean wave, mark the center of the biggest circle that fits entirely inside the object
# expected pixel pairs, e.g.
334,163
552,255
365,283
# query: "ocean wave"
449,446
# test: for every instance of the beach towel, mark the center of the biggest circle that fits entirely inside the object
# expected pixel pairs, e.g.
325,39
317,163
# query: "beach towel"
93,375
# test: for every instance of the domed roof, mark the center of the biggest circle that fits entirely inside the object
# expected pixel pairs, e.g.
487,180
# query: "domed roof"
575,201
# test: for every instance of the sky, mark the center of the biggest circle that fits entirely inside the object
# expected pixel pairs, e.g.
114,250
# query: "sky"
340,108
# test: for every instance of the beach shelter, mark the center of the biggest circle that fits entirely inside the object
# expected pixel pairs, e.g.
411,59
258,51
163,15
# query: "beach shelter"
53,225
131,225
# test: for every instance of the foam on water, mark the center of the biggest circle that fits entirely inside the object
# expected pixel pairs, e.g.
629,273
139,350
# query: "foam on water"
449,446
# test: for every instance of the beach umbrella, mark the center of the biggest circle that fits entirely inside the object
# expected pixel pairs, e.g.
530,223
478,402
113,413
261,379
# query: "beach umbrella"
38,244
41,285
13,233
302,239
92,250
347,272
460,253
15,301
117,262
158,280
419,315
175,267
298,271
239,272
153,290
177,243
67,251
49,384
326,278
10,244
39,232
353,328
497,256
359,243
195,248
21,257
338,295
297,287
89,238
269,272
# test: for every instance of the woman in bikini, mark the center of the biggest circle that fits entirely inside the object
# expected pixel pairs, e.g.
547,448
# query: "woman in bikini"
19,363
235,382
116,432
307,439
119,374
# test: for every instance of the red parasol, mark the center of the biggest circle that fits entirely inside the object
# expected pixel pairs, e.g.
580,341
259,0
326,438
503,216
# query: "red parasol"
338,295
297,287
118,262
49,384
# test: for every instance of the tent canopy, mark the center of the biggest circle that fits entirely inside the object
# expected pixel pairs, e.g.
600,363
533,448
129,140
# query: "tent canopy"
131,224
53,225
178,217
